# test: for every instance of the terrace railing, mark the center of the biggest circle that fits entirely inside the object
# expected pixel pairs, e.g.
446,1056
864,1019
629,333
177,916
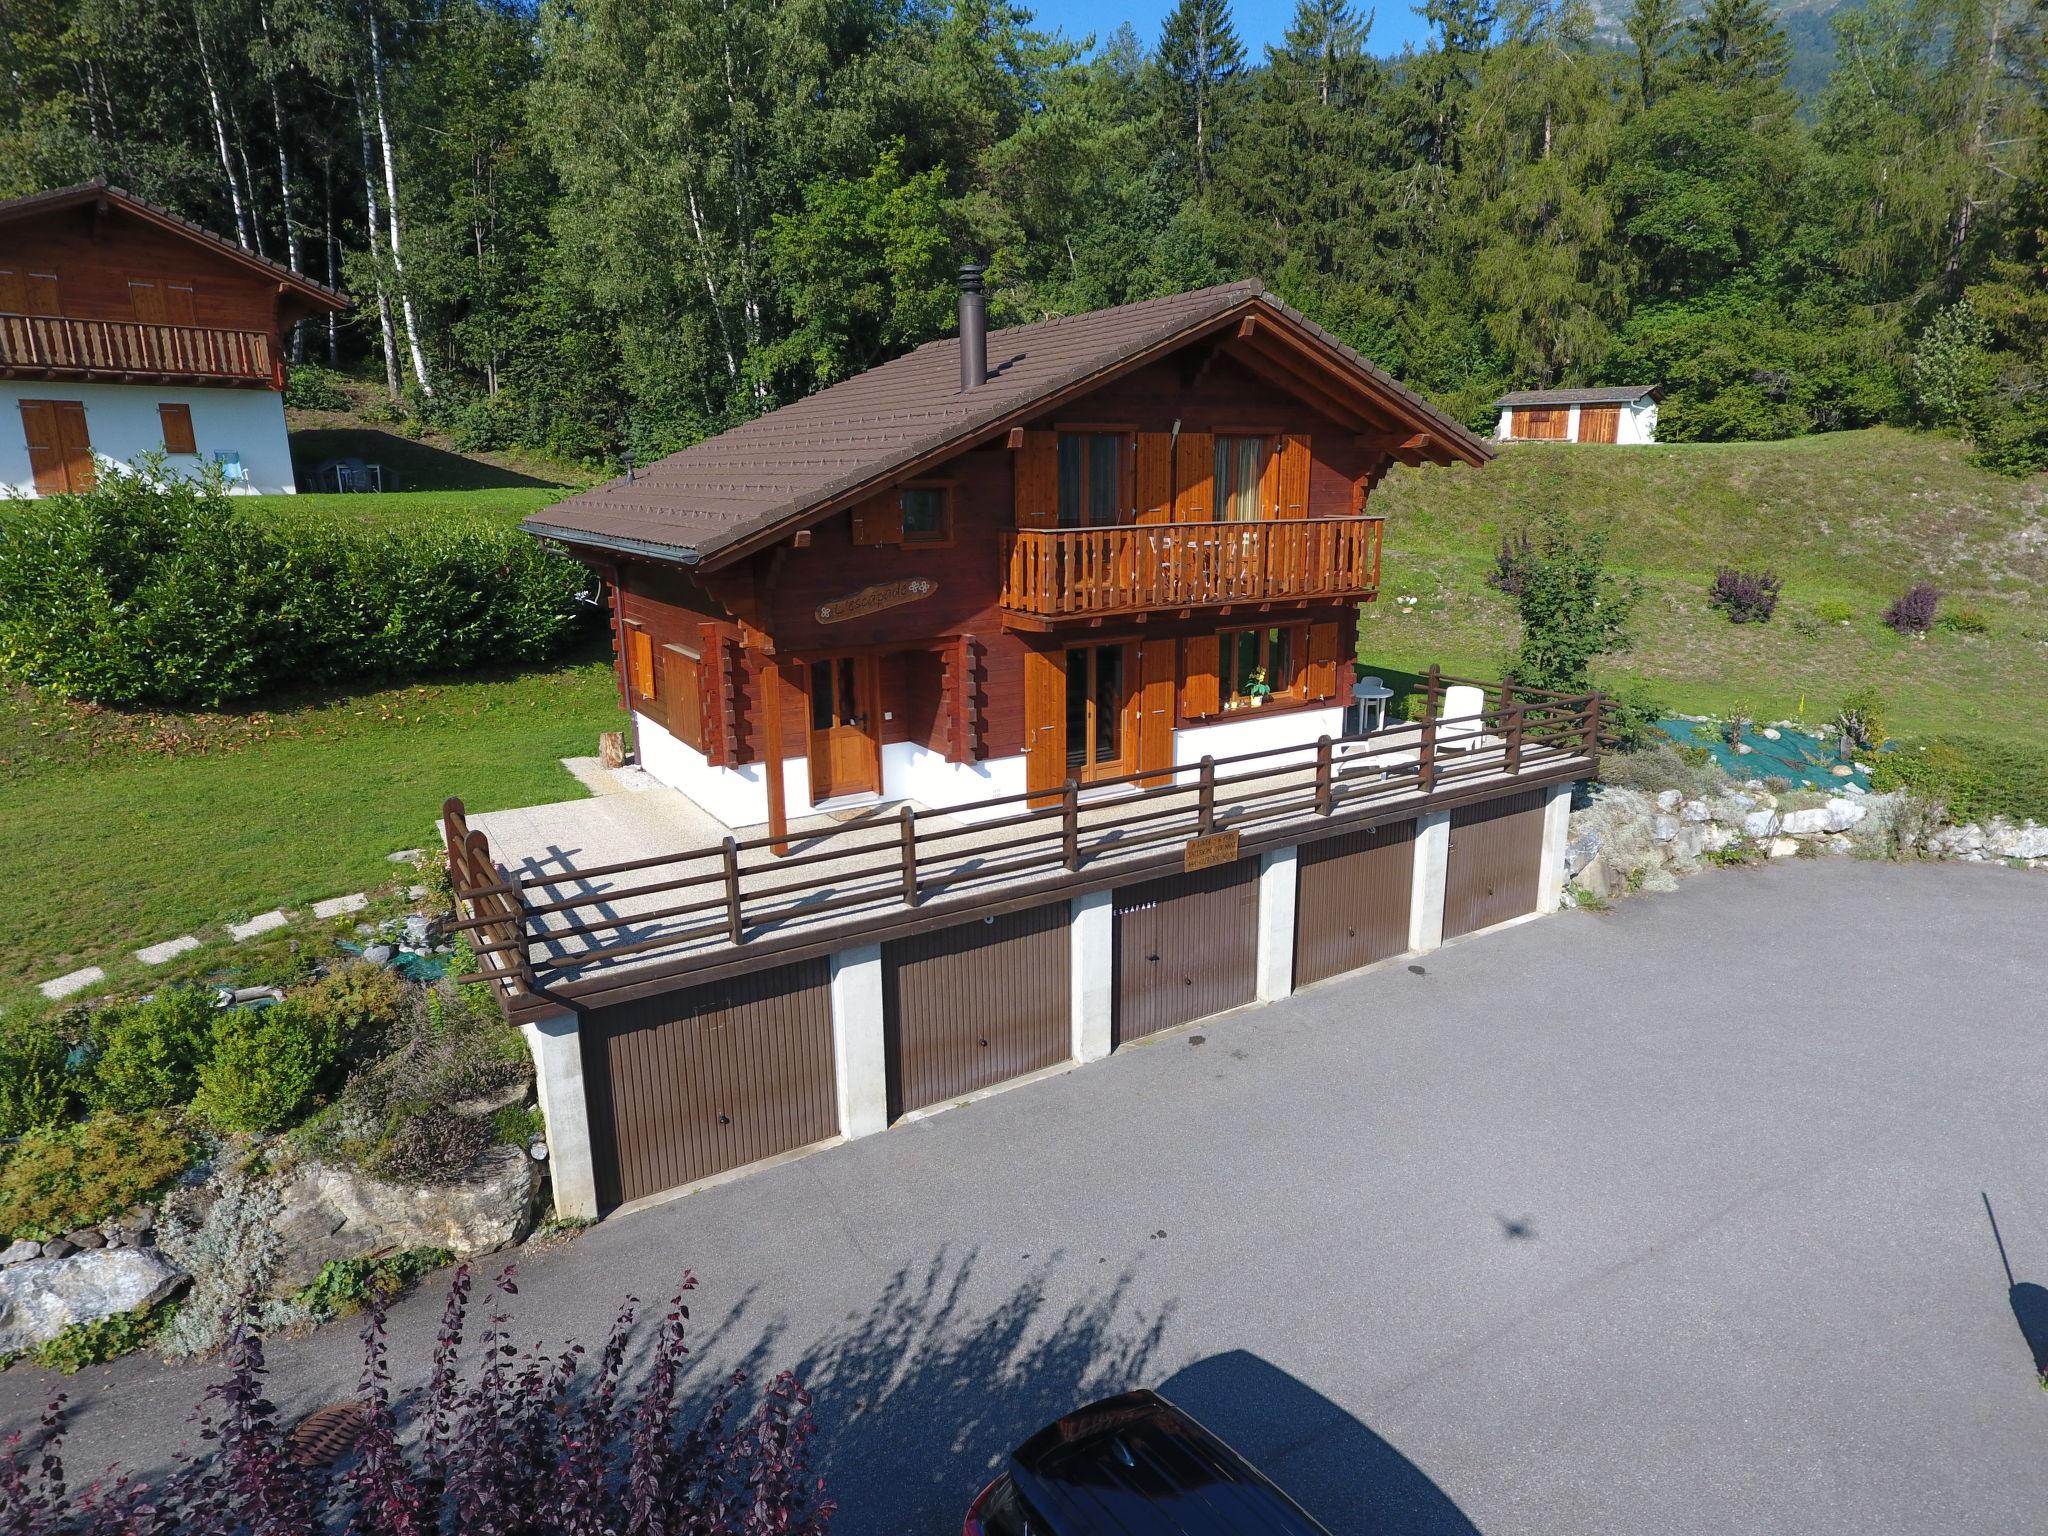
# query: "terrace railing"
1060,573
710,899
133,348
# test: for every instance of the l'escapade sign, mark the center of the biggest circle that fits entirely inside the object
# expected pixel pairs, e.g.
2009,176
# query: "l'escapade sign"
1210,851
885,594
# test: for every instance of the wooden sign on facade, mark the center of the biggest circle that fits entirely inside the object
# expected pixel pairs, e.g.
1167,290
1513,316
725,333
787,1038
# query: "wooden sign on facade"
1208,852
886,594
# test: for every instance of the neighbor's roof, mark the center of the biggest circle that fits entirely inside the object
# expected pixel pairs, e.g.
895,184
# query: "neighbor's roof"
98,190
1599,394
801,462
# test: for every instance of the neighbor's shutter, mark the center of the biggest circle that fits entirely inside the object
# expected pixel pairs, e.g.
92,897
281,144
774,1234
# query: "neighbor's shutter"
1322,660
13,293
1155,477
148,301
45,459
1201,695
879,520
75,445
176,421
1194,473
1038,481
1292,500
42,293
179,305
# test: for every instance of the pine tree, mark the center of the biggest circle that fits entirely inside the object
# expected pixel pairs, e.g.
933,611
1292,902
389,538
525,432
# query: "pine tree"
1737,42
1201,58
1326,42
1653,30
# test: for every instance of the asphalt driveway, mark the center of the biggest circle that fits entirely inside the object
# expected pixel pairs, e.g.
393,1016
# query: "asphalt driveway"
1669,1220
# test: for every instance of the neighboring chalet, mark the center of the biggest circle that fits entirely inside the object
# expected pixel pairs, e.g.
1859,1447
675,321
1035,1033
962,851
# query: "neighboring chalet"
1031,650
1605,413
126,330
1084,548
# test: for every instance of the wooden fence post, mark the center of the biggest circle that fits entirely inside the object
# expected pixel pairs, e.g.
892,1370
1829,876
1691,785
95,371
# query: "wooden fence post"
1326,799
1208,796
1593,726
1070,825
735,930
1433,693
1514,731
1425,764
907,823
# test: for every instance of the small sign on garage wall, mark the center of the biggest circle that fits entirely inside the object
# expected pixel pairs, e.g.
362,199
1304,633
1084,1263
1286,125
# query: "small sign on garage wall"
1208,852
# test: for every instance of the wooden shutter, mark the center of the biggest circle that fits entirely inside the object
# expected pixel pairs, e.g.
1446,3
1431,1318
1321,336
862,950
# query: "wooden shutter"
42,293
1038,481
1194,475
1322,660
148,302
75,445
179,303
1155,477
13,292
1045,724
879,520
176,421
1201,695
1156,660
1291,499
640,663
45,459
683,682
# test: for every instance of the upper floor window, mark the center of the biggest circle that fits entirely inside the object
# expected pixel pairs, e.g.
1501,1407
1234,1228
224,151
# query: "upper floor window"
158,302
27,293
1091,479
927,514
1240,473
1259,664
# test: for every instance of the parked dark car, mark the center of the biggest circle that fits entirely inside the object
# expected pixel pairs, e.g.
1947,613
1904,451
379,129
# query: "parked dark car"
1132,1465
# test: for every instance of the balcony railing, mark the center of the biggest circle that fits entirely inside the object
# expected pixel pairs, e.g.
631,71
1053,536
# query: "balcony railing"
118,349
1062,573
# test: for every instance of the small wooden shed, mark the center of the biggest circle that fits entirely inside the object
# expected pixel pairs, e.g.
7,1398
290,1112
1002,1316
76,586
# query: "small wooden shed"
1608,413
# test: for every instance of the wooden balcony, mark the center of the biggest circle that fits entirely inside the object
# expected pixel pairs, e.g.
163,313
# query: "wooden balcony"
133,351
1052,575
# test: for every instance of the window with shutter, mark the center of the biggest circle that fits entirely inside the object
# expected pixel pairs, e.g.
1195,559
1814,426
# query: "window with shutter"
1322,661
1200,696
683,683
640,663
878,520
1194,478
176,421
1291,499
1037,472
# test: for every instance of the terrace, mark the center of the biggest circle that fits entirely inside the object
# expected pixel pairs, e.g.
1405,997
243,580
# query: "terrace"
558,917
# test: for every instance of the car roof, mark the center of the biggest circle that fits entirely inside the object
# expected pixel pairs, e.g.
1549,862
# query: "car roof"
1136,1465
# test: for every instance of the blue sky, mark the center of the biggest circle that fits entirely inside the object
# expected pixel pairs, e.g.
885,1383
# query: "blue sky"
1259,22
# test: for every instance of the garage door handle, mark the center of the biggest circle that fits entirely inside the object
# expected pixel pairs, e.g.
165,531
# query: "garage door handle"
725,1119
1153,958
984,1045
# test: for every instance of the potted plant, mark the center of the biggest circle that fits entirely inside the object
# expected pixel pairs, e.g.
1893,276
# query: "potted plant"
1256,688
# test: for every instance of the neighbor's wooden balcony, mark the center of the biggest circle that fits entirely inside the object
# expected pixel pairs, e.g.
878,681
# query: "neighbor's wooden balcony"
1054,574
132,351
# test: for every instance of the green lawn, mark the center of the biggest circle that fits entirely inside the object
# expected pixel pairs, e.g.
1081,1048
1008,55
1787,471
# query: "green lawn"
1852,518
145,826
397,511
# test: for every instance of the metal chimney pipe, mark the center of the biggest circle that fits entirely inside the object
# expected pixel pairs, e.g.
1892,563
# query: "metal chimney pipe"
973,329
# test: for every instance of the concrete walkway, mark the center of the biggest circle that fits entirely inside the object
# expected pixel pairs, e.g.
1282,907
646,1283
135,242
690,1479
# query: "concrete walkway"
1669,1220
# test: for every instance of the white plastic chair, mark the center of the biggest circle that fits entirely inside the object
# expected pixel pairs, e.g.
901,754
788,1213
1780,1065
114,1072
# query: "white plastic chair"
1459,728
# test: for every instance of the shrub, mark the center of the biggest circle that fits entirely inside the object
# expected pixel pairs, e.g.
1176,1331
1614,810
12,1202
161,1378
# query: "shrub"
103,1339
356,1004
522,1442
165,593
147,1055
58,1180
1664,765
1516,551
1860,719
346,1286
1974,777
1573,608
309,387
36,1085
267,1063
1913,611
1964,621
1834,611
433,1145
1747,597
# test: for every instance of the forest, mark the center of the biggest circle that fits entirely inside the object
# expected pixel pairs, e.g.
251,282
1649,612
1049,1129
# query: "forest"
608,228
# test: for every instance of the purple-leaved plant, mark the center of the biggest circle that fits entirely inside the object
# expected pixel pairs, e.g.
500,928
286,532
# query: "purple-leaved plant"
1913,613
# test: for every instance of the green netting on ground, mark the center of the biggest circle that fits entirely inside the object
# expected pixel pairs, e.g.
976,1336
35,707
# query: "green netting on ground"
1807,758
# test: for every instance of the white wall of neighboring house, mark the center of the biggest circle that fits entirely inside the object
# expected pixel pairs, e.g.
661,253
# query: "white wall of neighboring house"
121,421
1638,425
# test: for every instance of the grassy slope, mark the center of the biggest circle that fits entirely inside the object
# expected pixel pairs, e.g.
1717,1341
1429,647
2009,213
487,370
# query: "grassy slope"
397,511
1852,517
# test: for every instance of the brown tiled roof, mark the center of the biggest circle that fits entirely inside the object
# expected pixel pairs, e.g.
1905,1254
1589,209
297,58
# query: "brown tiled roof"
827,448
1598,394
99,188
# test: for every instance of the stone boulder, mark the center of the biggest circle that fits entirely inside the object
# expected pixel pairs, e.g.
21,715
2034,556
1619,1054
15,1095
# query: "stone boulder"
2010,842
1760,824
1844,814
1695,810
1581,851
331,1212
1667,799
43,1297
1803,823
1663,829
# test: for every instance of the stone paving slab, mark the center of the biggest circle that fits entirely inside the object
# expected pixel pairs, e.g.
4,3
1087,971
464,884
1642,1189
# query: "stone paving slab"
262,922
76,981
170,949
340,906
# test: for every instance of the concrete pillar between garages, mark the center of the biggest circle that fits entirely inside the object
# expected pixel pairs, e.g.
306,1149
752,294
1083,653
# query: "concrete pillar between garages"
558,1080
1557,821
1277,892
1093,926
1426,895
860,1055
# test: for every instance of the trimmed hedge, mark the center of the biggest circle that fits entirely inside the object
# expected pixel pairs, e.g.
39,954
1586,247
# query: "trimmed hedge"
1974,776
141,593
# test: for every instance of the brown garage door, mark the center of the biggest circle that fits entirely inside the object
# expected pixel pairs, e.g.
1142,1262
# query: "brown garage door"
694,1082
1186,947
1496,848
975,1005
1352,905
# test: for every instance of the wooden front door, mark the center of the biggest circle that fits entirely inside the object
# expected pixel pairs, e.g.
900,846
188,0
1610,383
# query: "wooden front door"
1100,709
59,451
846,751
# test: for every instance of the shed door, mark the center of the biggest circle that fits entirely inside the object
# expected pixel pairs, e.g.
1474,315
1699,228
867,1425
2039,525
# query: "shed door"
1496,850
1541,423
975,1005
698,1081
1599,423
1186,947
1352,905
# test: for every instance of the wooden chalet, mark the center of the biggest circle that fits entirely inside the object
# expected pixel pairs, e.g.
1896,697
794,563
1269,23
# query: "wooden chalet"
126,330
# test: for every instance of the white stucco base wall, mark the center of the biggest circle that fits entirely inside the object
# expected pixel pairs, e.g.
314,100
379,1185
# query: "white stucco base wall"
122,423
1255,730
912,772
